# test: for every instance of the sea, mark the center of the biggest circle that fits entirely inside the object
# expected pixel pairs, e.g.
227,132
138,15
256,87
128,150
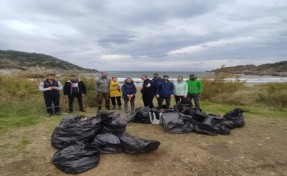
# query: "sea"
247,79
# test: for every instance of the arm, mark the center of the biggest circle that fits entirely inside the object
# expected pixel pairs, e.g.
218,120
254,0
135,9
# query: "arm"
172,89
124,90
60,87
65,88
200,86
84,87
185,89
41,87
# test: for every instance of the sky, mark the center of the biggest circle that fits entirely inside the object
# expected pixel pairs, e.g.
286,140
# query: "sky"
148,35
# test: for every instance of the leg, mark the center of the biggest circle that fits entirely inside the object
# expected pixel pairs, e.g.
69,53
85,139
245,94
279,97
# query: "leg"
48,102
80,101
56,101
145,100
196,100
71,101
132,104
160,100
107,101
150,103
167,100
113,102
177,99
126,104
119,102
100,99
190,97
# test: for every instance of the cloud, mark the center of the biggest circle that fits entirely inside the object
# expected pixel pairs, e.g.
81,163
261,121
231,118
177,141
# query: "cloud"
146,34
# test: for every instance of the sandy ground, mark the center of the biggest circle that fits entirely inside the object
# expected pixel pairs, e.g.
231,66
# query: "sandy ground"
259,148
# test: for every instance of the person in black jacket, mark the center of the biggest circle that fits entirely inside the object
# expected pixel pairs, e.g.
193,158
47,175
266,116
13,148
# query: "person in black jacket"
147,91
50,88
75,88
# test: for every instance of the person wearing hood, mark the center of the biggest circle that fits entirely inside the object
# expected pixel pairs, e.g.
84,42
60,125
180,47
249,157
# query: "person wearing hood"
74,88
180,89
51,90
165,91
194,89
103,90
129,91
115,93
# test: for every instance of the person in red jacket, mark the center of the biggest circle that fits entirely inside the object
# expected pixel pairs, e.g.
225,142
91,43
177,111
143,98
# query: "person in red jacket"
75,88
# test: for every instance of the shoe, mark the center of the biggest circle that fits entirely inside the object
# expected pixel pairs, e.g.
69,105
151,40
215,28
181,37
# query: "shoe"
49,115
108,109
70,111
120,108
126,111
82,110
99,108
58,113
114,107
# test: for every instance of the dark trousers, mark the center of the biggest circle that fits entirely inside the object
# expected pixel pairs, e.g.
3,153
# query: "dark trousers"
195,98
101,96
71,101
52,99
119,102
179,98
167,101
132,101
147,100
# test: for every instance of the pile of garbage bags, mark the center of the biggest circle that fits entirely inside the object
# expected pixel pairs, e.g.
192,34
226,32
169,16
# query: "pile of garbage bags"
184,118
81,140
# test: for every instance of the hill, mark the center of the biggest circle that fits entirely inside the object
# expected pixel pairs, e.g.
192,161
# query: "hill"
10,59
274,69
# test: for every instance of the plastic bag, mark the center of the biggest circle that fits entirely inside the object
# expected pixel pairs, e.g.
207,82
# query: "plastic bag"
135,145
75,129
141,115
108,143
175,122
76,158
112,122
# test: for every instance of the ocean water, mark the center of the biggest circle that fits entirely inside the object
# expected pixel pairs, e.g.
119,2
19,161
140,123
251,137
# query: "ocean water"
248,79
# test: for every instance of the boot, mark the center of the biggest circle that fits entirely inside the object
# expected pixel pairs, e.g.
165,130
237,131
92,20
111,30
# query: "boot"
120,108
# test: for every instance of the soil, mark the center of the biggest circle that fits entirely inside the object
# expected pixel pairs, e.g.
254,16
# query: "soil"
259,148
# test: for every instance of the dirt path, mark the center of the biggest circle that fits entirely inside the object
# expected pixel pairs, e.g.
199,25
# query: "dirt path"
259,148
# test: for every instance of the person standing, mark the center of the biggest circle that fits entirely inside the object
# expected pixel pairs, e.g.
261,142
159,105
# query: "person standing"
51,88
147,91
129,91
75,88
103,91
115,93
194,89
165,91
180,89
156,79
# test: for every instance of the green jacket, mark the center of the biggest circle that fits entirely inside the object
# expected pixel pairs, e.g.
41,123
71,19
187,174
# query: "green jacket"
194,86
103,85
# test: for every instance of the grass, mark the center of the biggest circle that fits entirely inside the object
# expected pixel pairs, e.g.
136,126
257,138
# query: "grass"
23,144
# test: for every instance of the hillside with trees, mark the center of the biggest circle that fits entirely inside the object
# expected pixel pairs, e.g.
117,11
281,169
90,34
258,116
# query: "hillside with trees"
273,69
10,59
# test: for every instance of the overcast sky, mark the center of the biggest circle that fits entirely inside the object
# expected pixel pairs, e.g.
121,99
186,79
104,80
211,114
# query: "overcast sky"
148,35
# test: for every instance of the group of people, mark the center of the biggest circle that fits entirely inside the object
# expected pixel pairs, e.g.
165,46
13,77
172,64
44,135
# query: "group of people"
109,89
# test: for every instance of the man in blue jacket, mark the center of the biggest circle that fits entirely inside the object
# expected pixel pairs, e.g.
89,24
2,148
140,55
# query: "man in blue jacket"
165,91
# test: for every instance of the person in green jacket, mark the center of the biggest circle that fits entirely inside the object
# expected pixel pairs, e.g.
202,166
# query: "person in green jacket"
194,89
103,91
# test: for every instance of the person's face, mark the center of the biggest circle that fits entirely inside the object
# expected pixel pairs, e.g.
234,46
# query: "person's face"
165,78
51,77
143,78
155,75
115,79
179,79
191,77
129,80
104,75
73,78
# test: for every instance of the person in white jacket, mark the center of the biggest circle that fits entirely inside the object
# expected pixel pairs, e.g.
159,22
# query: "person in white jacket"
180,89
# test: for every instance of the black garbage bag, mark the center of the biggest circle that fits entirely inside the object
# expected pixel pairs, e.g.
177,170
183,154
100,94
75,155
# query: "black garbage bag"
207,126
141,115
221,128
236,116
108,143
134,145
112,122
182,105
75,129
76,158
175,122
198,115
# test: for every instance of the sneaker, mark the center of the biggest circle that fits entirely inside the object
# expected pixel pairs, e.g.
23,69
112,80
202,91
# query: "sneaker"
120,108
49,115
58,113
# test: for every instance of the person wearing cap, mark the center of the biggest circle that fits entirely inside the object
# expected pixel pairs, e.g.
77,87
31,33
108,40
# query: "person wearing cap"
51,90
75,88
147,91
194,89
103,91
180,89
156,79
165,91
